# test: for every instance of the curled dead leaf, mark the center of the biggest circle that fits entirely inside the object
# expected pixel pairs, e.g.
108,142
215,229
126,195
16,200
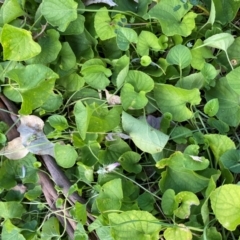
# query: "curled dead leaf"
112,99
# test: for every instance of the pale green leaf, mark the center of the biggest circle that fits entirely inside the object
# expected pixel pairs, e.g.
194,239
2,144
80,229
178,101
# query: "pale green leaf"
219,144
65,155
226,206
168,202
18,44
67,57
59,13
50,229
179,55
135,225
76,27
11,209
129,162
172,99
143,135
185,200
181,233
103,24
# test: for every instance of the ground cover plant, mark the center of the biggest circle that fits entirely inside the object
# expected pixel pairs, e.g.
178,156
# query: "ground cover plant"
119,119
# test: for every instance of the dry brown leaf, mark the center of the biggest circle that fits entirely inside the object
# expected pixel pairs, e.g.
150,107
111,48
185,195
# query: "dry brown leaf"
14,150
112,99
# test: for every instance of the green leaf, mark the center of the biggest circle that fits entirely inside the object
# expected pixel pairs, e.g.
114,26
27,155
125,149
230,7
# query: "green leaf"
211,107
226,206
179,55
137,84
180,174
129,162
233,80
76,27
9,231
65,155
59,13
147,41
58,122
146,202
211,233
80,213
180,134
220,41
35,92
179,22
226,10
199,55
143,135
82,117
50,46
231,160
180,233
96,74
103,24
50,229
195,80
11,9
124,37
53,102
11,209
229,108
185,201
172,99
219,144
104,120
135,225
67,57
80,233
168,202
18,44
110,196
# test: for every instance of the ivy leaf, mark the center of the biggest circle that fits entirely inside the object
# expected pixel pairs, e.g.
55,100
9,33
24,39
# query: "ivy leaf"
59,13
18,44
172,99
179,22
179,55
143,135
11,9
225,205
124,37
147,41
134,225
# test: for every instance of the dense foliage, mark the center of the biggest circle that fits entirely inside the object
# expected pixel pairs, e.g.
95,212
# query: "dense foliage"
138,104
